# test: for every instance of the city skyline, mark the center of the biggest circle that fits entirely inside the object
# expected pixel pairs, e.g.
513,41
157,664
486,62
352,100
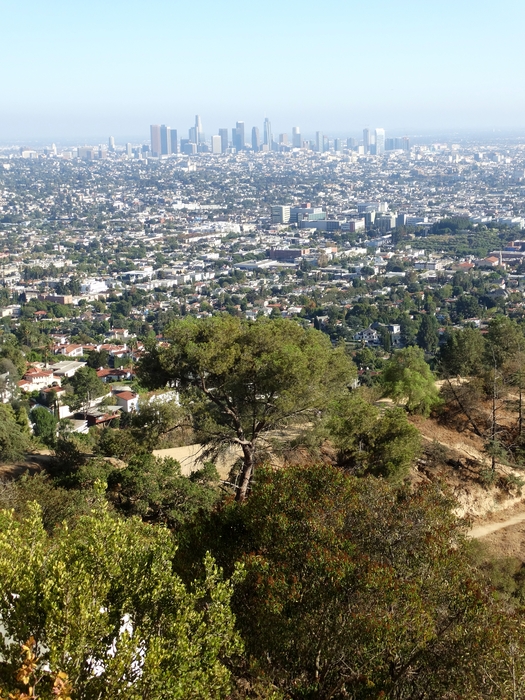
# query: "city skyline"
164,141
110,69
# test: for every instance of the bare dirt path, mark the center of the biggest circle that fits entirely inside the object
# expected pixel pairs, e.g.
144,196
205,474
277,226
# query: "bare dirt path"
480,531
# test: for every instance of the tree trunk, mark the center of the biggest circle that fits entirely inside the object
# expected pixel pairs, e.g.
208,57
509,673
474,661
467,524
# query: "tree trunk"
246,474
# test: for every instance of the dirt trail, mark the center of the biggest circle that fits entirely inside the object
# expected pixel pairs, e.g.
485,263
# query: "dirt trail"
480,531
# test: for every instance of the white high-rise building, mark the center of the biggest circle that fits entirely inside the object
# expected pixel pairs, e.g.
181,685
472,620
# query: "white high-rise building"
296,137
216,144
199,136
380,142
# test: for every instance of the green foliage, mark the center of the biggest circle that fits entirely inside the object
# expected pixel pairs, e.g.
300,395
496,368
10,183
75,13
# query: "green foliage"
10,351
160,424
14,439
87,386
427,335
355,589
407,377
117,443
155,489
98,359
104,607
22,420
504,340
56,504
370,443
463,353
243,379
44,425
453,224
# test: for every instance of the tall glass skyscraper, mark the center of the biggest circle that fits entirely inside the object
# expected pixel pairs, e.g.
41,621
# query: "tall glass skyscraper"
155,139
256,141
366,140
239,136
380,142
199,136
268,138
223,133
165,140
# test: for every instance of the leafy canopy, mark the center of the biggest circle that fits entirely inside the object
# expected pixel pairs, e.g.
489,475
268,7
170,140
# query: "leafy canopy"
372,443
241,379
104,607
407,377
356,589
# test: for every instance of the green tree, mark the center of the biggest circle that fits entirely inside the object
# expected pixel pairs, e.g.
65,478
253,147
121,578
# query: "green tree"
504,340
14,439
86,386
244,379
44,425
358,590
160,424
407,377
427,335
372,443
98,359
155,489
56,504
467,306
104,606
10,351
117,443
463,353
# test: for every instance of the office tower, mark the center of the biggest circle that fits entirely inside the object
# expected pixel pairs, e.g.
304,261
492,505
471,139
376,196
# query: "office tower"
129,151
199,136
111,144
268,138
239,137
223,133
165,140
296,137
338,145
280,214
192,134
188,147
390,144
174,143
319,141
256,141
350,143
326,144
406,143
216,145
380,142
155,139
283,139
366,140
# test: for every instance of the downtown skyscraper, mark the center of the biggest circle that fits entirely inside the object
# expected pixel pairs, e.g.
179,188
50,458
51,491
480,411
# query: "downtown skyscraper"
238,134
268,138
256,140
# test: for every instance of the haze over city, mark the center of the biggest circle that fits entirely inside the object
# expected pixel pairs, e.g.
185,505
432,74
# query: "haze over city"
76,70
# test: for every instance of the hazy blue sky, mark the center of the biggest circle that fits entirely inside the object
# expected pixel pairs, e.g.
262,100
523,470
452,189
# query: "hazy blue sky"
102,67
